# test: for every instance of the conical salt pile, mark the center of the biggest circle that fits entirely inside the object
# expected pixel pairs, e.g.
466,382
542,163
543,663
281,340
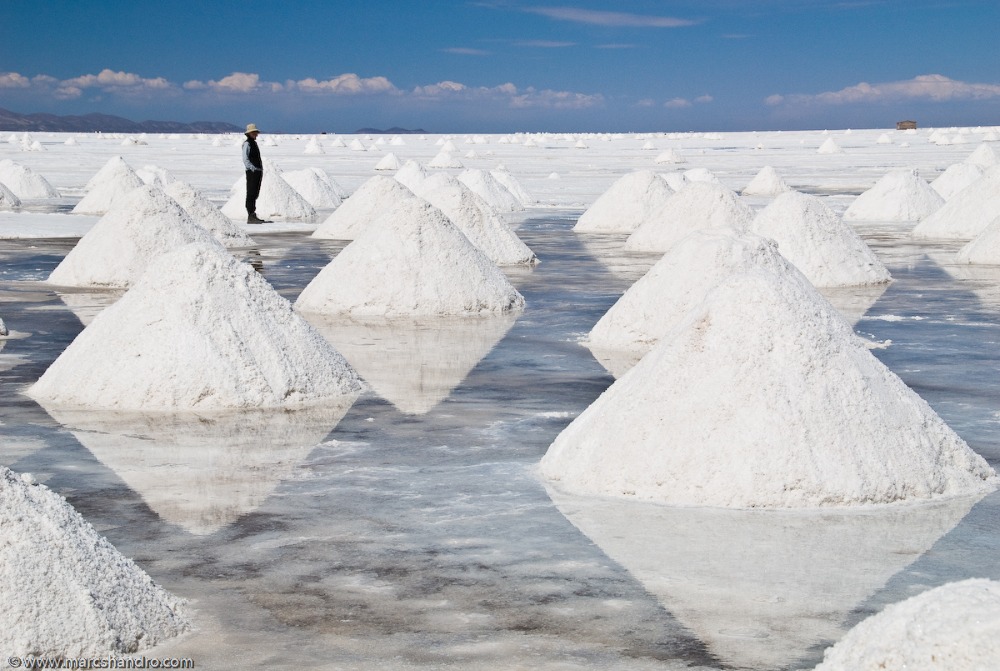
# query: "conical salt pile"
631,200
114,180
512,184
486,186
199,330
983,156
8,201
117,250
763,397
900,195
388,162
411,261
411,174
444,160
767,182
670,156
480,223
698,205
967,213
277,198
315,186
955,178
376,196
314,147
829,146
205,213
984,248
67,591
24,182
949,628
811,235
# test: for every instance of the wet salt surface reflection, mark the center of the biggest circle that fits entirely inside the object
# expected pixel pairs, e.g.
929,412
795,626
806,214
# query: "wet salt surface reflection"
410,531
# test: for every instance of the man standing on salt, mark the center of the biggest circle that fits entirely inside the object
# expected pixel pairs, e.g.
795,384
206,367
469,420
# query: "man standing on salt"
255,173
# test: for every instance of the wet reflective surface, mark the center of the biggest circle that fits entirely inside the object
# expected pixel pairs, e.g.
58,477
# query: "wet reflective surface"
410,530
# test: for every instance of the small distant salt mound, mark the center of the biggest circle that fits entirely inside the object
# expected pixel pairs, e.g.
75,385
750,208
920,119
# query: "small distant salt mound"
3,328
67,591
884,138
8,200
378,195
357,145
955,178
811,235
949,628
631,200
829,146
698,205
725,411
967,213
480,223
111,182
444,159
411,175
397,141
767,182
337,142
505,177
315,186
205,213
900,195
984,248
388,162
71,142
199,330
648,146
983,156
670,156
409,262
278,199
701,175
580,144
155,176
313,147
448,146
116,251
491,190
24,182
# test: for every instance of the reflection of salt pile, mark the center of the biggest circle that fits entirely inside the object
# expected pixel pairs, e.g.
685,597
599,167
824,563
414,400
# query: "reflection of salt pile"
631,200
205,213
900,195
199,330
410,261
480,223
277,198
120,246
761,589
67,591
490,189
967,213
24,182
371,200
955,178
767,182
763,397
414,363
817,242
315,186
114,180
698,205
952,627
203,471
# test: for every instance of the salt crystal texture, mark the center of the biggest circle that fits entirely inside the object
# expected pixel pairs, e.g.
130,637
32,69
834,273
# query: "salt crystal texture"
199,330
411,261
631,200
490,189
111,182
810,235
763,397
116,251
900,195
67,591
206,214
767,182
376,196
967,213
24,182
698,205
949,628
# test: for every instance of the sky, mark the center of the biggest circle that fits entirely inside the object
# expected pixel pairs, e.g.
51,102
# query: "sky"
502,66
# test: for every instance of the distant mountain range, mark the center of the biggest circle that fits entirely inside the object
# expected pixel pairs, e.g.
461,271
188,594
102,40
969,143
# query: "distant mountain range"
105,123
389,131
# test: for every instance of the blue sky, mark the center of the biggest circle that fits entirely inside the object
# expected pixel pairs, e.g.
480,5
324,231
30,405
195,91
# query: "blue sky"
452,66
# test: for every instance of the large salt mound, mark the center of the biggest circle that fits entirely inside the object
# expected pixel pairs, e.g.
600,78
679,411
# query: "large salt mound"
900,195
315,186
24,182
120,246
490,189
411,175
983,157
763,397
506,178
698,205
199,330
677,283
967,213
480,223
810,235
205,213
67,591
984,248
375,197
955,178
767,182
631,200
113,181
409,262
8,200
277,198
949,628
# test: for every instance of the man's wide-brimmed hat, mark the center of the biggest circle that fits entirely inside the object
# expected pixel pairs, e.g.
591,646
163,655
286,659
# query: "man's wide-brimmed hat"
251,128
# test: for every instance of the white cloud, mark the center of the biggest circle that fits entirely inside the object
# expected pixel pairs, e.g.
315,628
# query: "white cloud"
108,81
12,80
613,19
346,84
465,51
544,44
677,103
935,88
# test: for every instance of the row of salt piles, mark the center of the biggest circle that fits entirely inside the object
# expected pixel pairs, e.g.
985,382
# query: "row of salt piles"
19,182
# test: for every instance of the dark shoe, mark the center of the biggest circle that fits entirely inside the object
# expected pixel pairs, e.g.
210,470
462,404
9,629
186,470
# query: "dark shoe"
254,219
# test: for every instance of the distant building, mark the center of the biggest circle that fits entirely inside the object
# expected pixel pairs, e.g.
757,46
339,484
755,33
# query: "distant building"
906,125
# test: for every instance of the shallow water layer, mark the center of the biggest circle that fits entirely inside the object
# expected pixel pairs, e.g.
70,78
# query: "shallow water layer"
410,530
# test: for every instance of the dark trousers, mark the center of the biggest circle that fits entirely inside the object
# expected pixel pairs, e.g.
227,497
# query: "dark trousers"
254,178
